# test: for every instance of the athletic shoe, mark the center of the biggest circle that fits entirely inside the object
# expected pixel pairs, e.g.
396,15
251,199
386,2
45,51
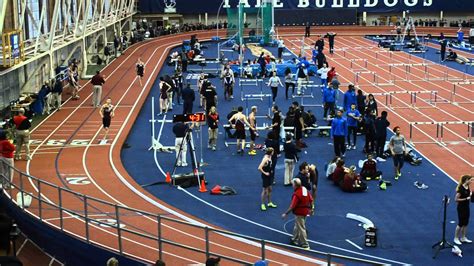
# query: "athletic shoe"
263,207
343,155
272,205
456,241
378,177
354,147
294,242
253,152
305,247
209,146
380,159
396,177
382,185
368,178
214,148
232,97
465,240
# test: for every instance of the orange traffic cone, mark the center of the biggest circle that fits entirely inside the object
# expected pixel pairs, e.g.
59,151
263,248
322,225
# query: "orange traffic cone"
203,186
168,177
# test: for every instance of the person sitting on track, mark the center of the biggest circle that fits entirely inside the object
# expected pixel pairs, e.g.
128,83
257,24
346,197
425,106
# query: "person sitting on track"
352,182
452,55
332,167
369,169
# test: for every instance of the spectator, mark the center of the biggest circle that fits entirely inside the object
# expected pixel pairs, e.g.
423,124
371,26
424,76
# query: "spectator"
331,167
331,74
369,169
7,163
291,157
339,133
329,100
97,81
369,122
213,261
350,97
339,172
463,199
352,182
301,206
331,37
371,104
22,126
353,118
56,94
213,124
381,124
188,99
323,72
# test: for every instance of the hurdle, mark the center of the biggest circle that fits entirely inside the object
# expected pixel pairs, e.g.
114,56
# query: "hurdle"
355,61
469,135
249,97
414,125
202,62
249,82
311,95
457,84
413,98
384,52
440,129
357,74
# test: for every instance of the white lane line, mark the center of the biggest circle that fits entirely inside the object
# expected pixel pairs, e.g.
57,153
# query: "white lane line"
354,244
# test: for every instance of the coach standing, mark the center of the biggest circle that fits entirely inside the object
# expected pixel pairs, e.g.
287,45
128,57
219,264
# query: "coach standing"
301,206
22,125
97,81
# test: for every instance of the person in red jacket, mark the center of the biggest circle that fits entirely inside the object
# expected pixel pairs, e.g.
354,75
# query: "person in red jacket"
6,160
352,183
331,74
22,125
339,172
301,206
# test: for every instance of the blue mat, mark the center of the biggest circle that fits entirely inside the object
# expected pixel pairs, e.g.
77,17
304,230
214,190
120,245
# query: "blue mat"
408,219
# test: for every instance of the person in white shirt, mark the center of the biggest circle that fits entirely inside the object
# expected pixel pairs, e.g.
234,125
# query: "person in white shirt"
273,83
248,71
228,79
323,72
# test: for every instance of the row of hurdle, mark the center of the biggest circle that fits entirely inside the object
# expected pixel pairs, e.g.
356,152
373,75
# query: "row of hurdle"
414,98
440,132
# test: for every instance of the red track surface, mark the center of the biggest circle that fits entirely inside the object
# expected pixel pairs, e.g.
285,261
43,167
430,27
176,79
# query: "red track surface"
78,122
110,182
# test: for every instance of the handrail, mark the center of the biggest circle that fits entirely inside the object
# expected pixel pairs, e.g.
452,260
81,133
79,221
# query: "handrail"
115,213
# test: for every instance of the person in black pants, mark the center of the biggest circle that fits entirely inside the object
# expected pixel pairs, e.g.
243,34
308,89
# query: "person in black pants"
339,133
443,43
369,126
299,125
272,141
381,125
463,199
188,98
307,30
331,36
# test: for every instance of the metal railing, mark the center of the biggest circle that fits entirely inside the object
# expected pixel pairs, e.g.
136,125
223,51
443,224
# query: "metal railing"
68,204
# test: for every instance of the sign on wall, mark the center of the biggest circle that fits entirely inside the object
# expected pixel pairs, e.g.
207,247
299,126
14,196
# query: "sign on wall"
212,6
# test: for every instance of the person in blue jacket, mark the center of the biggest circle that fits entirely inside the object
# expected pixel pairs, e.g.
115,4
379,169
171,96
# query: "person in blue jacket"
353,117
329,100
350,98
339,133
314,56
